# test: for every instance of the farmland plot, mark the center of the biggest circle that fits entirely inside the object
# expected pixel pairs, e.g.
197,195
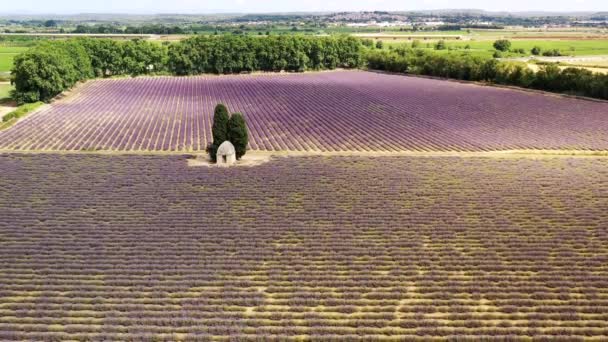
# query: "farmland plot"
333,111
142,247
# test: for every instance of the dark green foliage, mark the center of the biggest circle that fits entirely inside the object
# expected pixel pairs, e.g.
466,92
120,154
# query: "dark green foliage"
142,29
502,45
552,53
219,129
473,68
379,44
135,57
220,124
536,50
548,78
367,43
140,57
238,134
106,56
54,66
51,67
211,149
234,54
48,69
440,45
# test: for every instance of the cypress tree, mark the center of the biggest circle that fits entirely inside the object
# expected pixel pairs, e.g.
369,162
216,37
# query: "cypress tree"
220,124
219,129
238,134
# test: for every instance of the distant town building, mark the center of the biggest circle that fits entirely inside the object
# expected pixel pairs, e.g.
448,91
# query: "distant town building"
226,154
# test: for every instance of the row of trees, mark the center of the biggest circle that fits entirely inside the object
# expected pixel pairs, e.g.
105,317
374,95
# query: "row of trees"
46,70
143,29
230,54
474,68
51,67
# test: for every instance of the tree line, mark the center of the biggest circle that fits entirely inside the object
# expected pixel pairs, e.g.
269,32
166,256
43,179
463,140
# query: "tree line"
234,54
143,29
550,77
50,67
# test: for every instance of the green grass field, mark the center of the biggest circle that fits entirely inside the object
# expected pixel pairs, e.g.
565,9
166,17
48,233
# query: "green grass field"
567,47
7,53
485,48
5,90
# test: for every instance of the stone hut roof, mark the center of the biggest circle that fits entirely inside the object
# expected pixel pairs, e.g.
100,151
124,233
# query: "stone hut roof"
226,149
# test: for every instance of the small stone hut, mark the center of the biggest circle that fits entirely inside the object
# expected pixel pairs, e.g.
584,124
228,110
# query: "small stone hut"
226,154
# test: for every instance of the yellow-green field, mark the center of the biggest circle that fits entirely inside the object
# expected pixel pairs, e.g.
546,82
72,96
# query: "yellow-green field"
5,90
571,47
7,53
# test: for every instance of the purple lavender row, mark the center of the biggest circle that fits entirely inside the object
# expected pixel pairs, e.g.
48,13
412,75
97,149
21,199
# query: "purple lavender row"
355,111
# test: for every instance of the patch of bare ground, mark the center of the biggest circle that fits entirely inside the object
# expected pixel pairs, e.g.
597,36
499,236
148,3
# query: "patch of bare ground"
6,108
248,160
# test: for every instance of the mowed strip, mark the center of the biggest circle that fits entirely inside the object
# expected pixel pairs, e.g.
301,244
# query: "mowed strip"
329,111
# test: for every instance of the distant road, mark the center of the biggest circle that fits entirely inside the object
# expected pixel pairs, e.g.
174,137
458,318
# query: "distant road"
95,35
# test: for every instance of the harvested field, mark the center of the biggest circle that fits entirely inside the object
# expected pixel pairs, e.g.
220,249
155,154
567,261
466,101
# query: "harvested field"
331,111
144,247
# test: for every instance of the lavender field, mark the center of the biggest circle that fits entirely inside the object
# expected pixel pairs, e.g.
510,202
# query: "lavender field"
124,248
334,111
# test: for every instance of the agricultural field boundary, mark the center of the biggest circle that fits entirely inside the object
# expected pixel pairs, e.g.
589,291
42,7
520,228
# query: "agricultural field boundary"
254,156
494,85
69,92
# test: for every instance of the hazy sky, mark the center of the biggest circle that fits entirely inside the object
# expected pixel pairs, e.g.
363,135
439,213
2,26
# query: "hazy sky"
207,6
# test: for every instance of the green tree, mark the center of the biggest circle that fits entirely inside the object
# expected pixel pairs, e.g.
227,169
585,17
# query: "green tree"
379,44
106,55
440,45
238,134
50,23
502,45
49,68
219,130
141,57
536,50
220,124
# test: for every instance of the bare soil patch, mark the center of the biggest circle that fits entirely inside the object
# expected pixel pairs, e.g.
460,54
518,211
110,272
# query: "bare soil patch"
248,160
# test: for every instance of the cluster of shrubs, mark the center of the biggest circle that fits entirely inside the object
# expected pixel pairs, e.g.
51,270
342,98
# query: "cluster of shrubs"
504,45
51,67
550,77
